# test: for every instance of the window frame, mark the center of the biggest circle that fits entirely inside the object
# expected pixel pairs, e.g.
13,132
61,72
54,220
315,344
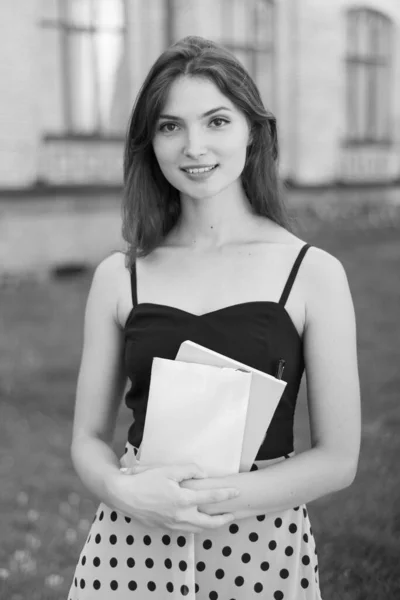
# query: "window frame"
62,24
370,62
255,49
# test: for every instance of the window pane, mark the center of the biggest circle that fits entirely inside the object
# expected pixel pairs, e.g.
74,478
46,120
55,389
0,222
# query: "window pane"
362,33
352,33
264,23
263,77
52,101
368,84
109,72
371,101
97,67
79,12
245,58
362,101
248,22
225,18
374,31
352,100
154,18
384,38
50,10
109,13
383,110
82,93
241,31
238,22
356,100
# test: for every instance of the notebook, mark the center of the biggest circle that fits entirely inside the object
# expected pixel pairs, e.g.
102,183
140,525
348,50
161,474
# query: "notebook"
265,393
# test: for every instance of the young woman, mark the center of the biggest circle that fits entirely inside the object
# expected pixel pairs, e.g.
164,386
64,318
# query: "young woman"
212,258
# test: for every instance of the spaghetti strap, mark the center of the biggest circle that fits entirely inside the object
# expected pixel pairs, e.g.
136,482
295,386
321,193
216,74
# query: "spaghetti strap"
134,284
293,273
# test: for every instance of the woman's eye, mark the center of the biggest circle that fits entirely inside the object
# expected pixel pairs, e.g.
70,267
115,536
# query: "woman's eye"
167,127
218,121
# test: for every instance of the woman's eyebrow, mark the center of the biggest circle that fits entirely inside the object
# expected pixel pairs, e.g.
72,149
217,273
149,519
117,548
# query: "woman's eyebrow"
206,114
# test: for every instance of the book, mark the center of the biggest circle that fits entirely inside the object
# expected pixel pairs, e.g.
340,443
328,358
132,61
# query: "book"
265,393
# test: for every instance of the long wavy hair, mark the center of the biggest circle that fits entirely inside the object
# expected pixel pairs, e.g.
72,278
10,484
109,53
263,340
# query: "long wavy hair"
150,204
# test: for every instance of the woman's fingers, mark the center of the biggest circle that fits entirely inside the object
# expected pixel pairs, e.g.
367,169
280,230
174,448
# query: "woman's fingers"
181,472
210,496
196,521
134,470
213,522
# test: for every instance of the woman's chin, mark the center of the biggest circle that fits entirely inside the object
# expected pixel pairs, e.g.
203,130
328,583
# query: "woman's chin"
199,196
203,191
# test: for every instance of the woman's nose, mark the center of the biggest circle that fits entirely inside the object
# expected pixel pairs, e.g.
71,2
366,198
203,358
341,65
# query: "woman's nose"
194,145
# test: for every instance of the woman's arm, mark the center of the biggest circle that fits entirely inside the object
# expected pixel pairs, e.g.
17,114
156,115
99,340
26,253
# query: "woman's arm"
101,382
330,352
154,499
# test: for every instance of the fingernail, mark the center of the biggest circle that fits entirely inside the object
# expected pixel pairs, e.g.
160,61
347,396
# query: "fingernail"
127,470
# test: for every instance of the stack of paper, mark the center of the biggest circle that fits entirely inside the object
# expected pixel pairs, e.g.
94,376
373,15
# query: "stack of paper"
207,408
265,393
195,413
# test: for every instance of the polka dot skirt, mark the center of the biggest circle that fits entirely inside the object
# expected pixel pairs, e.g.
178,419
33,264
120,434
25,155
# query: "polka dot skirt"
269,556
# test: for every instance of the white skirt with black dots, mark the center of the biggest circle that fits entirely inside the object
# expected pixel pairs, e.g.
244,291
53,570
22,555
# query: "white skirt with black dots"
270,556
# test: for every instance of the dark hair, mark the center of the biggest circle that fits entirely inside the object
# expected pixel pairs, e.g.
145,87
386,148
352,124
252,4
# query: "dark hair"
151,205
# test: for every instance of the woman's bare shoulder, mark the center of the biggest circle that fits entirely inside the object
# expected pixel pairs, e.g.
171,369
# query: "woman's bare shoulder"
109,281
112,266
325,284
317,258
320,270
321,263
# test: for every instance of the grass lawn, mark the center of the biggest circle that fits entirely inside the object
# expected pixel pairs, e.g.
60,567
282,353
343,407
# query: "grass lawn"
45,510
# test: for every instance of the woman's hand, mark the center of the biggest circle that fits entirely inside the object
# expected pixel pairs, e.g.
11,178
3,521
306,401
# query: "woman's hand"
200,484
154,496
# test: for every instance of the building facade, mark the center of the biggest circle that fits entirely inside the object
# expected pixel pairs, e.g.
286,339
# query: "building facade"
329,71
70,71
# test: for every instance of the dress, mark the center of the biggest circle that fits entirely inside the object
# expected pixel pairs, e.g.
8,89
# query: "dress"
271,556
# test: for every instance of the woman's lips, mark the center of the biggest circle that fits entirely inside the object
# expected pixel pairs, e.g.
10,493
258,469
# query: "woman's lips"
200,175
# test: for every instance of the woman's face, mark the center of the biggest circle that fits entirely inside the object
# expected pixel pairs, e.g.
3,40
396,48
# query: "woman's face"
201,138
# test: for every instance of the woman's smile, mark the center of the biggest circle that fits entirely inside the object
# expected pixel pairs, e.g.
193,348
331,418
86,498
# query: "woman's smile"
200,173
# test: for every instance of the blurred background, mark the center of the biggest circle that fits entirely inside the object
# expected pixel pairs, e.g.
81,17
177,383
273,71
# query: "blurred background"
70,71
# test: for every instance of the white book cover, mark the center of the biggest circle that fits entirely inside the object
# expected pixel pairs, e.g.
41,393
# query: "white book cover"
195,413
265,393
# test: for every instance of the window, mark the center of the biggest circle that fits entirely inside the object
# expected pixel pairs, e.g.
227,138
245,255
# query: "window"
369,52
92,35
248,31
